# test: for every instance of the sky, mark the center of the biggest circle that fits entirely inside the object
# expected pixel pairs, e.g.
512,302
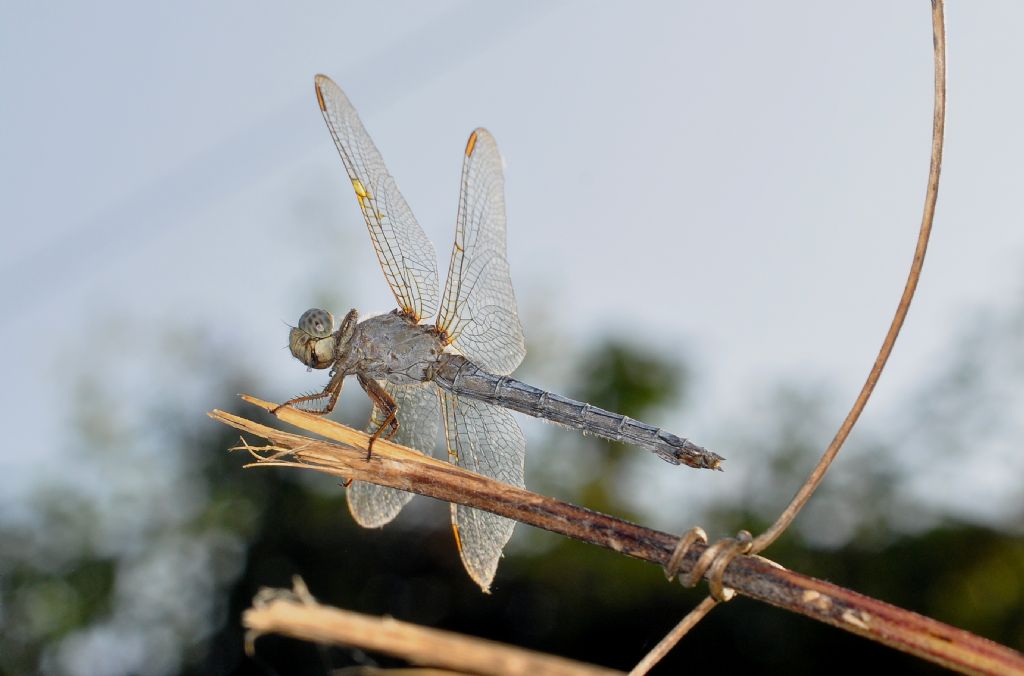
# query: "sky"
737,184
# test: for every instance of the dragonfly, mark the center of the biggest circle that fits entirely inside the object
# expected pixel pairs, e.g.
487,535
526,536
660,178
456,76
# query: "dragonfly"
445,357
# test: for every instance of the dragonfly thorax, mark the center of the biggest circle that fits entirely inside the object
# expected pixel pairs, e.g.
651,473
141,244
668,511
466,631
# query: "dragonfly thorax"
392,347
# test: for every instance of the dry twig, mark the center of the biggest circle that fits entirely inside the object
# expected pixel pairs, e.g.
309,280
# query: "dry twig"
752,576
297,614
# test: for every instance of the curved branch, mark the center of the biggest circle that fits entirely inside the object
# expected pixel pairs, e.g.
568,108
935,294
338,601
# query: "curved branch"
766,538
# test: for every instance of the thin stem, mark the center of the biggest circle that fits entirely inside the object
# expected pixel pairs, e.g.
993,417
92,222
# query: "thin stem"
762,541
672,638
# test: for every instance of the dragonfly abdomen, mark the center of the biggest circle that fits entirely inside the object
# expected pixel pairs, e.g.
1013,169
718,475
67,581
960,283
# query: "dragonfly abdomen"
461,377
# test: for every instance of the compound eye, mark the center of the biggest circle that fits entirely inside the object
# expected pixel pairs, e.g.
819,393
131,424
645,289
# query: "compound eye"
317,323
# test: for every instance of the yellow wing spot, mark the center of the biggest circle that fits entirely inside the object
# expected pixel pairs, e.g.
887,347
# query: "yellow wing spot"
361,193
320,98
453,455
470,144
458,540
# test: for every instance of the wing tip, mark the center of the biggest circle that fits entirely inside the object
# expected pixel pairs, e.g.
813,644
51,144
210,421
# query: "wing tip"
319,81
477,134
482,578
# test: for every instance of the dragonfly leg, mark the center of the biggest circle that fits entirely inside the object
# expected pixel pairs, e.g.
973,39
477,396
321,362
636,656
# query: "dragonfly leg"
329,396
388,410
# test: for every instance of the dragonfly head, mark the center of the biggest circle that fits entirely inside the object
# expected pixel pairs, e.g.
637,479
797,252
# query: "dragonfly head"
313,341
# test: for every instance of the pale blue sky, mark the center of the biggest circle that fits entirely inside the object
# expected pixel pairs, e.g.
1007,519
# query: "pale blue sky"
740,181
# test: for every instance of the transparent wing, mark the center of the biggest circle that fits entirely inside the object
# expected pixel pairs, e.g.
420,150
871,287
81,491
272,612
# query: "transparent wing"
371,505
487,440
405,254
478,308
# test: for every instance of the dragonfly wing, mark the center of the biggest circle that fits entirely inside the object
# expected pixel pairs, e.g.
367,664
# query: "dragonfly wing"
405,254
487,440
371,505
478,309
